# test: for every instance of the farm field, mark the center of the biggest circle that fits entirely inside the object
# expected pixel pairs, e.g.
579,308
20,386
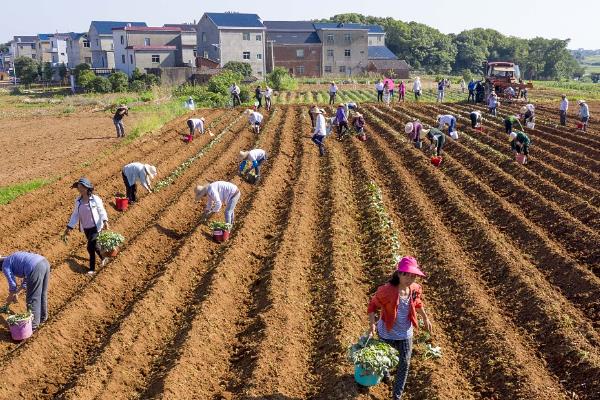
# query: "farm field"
511,253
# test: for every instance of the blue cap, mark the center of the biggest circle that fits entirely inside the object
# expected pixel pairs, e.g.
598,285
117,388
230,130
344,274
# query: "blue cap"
85,182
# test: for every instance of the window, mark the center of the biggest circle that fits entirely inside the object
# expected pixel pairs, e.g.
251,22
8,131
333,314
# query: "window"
379,38
300,53
88,60
246,36
348,37
131,59
97,42
62,54
259,38
300,70
330,53
343,69
347,53
204,37
86,43
32,46
195,53
259,56
205,54
155,58
147,41
112,46
328,68
246,55
122,39
33,56
123,58
330,37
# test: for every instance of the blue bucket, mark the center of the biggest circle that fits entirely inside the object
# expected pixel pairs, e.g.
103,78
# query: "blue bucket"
364,377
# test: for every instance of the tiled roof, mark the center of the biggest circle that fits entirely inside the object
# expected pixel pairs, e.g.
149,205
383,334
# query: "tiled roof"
389,64
25,39
148,28
289,26
106,27
381,53
183,27
336,25
152,48
76,36
45,36
293,37
237,20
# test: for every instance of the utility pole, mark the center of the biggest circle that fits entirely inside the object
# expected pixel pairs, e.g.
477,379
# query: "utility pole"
272,55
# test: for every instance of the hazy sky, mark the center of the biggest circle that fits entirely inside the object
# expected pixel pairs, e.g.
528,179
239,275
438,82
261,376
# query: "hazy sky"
578,20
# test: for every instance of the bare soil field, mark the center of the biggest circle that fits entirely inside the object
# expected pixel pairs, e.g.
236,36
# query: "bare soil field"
511,253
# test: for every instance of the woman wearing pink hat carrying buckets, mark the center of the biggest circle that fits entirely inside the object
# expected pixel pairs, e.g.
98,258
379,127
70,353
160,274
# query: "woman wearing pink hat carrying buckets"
399,302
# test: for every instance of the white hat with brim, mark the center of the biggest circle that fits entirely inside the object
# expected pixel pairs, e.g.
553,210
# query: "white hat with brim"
150,170
523,110
408,128
243,154
512,136
580,101
200,191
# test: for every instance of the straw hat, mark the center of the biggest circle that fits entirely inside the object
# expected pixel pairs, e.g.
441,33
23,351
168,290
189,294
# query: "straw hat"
150,170
243,154
408,128
523,110
580,102
202,119
512,136
248,111
200,191
410,266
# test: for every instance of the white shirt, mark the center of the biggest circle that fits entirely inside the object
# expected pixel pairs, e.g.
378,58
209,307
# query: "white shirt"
98,213
234,89
564,105
333,89
135,172
256,154
477,113
198,124
417,86
255,117
268,92
379,86
530,107
320,126
445,120
218,193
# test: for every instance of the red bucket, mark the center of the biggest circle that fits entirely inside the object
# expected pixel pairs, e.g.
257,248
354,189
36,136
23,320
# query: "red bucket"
520,158
362,138
220,235
122,203
188,138
479,129
580,125
436,161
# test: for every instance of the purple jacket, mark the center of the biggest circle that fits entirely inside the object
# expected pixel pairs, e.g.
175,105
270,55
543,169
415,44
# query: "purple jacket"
340,115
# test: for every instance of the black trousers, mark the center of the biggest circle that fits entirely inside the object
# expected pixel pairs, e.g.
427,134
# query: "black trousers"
91,235
259,99
331,98
380,95
236,99
508,125
130,190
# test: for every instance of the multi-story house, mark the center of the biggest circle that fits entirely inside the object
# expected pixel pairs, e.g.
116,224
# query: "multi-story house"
43,47
100,36
345,48
225,37
187,45
23,46
78,49
58,49
295,46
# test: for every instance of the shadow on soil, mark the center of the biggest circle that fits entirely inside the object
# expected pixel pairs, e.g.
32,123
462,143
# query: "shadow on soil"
78,264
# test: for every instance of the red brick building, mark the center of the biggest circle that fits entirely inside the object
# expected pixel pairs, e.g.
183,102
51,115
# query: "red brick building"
295,46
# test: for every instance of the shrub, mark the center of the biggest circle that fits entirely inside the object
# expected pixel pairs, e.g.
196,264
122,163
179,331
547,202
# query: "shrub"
27,69
119,81
245,69
101,84
280,79
79,69
86,77
138,86
220,83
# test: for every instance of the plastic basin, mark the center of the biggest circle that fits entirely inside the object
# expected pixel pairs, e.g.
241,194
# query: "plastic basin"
220,235
436,161
22,330
121,203
365,378
520,158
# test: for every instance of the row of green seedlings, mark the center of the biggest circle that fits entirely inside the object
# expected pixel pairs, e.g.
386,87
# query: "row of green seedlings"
187,163
385,239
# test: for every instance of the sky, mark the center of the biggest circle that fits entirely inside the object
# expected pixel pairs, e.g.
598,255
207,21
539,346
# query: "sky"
561,19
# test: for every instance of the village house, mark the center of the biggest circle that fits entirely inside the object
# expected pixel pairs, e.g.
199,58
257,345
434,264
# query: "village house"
78,49
100,36
295,46
23,46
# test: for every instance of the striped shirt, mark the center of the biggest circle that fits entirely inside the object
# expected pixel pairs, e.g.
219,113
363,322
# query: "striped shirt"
402,328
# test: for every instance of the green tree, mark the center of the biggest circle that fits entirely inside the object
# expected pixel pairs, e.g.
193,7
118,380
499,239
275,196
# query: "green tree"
237,66
62,71
280,79
119,81
136,75
86,77
4,47
138,86
221,82
101,84
26,69
48,71
79,69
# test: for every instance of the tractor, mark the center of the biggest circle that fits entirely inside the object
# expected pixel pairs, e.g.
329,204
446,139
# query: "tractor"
500,75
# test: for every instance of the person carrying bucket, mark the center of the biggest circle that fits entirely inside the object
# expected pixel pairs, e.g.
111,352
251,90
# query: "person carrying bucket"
137,172
255,119
413,130
398,302
256,157
476,119
437,139
447,119
219,193
509,123
519,143
320,131
90,215
584,114
35,272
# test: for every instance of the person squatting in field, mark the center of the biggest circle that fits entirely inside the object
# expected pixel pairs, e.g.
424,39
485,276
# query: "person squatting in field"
197,125
520,144
320,130
256,158
89,213
509,123
437,139
341,120
413,130
121,111
358,122
398,302
219,193
255,119
447,119
476,119
35,272
137,172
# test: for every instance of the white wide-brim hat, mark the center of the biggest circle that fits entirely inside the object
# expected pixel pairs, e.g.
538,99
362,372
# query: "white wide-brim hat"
408,128
150,170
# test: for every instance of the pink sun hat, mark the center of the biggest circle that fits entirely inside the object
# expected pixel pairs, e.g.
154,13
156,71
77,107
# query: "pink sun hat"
409,265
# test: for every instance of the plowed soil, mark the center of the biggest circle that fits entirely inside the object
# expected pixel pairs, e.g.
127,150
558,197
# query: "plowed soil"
510,251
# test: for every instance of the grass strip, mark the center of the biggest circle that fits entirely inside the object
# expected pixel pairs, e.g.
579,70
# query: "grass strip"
9,193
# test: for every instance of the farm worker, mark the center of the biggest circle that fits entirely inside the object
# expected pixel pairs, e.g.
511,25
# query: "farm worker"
235,94
564,107
189,104
312,113
358,122
196,124
256,157
417,88
386,94
92,218
379,89
137,172
520,144
476,119
391,86
413,130
441,91
437,140
320,131
122,111
509,92
528,113
479,92
584,113
398,302
258,96
268,95
333,89
255,119
509,123
402,91
471,87
35,272
350,106
218,193
341,120
493,103
447,119
462,85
